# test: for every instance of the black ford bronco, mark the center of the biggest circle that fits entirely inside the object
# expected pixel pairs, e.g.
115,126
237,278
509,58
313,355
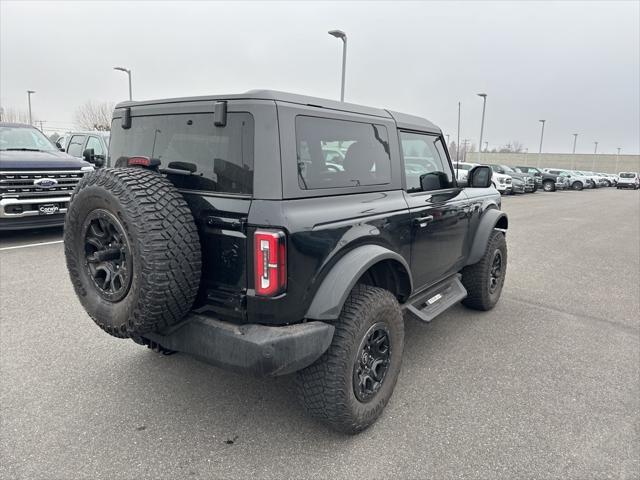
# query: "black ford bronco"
277,233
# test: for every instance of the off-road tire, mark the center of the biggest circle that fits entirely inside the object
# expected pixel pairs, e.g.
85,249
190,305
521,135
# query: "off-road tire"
326,388
164,249
475,278
548,186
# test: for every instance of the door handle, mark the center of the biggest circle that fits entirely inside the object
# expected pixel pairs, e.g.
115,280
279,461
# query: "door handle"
424,221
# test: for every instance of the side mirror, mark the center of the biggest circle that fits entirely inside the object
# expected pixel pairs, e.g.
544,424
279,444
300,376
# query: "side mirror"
479,177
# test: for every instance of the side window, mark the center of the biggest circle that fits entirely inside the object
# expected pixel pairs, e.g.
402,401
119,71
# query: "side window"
75,145
96,144
339,153
426,165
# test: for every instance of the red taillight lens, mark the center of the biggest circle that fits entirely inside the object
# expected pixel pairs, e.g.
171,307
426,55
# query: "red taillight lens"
270,262
144,161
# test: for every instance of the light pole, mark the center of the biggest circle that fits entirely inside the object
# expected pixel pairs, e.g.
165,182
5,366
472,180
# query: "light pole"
41,122
484,104
29,92
447,140
486,146
593,161
458,144
1,113
573,159
541,138
342,36
128,72
617,158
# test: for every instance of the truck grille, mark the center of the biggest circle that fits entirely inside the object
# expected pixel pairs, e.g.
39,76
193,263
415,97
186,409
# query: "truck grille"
24,184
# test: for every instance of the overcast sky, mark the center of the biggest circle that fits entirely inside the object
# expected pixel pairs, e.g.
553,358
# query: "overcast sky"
575,64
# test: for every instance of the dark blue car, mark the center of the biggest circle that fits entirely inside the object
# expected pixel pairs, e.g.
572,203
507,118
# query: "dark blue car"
36,179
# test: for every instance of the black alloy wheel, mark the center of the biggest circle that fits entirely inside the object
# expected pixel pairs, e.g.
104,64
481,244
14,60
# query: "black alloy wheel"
495,272
108,258
372,362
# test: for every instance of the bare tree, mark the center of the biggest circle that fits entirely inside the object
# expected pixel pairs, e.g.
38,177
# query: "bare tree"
513,146
95,116
15,115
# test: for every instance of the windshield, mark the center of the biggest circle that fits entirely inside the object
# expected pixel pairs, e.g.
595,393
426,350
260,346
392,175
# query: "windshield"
24,139
627,175
507,169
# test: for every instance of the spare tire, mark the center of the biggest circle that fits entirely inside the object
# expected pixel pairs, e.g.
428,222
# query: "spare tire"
132,251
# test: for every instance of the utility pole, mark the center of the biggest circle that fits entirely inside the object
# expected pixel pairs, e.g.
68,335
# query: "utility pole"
464,152
617,158
593,161
575,139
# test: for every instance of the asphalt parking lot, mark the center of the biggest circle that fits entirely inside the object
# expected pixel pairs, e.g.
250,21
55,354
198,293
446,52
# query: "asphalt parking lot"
547,385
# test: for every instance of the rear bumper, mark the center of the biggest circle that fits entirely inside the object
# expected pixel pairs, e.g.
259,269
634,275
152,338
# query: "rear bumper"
256,349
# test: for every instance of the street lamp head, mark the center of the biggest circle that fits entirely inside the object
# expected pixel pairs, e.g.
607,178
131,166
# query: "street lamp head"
338,34
31,91
542,121
483,95
122,69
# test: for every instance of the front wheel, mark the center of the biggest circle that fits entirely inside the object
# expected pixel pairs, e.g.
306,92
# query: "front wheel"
577,186
549,186
349,386
485,279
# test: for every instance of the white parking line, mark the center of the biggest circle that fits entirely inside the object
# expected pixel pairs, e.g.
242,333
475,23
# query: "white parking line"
30,245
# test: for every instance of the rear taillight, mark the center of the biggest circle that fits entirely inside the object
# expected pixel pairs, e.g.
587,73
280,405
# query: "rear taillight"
270,262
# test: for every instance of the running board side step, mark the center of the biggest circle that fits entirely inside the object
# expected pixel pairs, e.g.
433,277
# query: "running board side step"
427,305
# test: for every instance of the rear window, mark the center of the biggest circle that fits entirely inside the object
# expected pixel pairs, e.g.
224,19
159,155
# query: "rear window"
222,156
339,153
627,175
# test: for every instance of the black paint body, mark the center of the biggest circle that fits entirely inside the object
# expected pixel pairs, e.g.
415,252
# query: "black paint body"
323,225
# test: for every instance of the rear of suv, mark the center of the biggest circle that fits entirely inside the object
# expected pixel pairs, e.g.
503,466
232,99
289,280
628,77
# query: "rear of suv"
277,233
628,180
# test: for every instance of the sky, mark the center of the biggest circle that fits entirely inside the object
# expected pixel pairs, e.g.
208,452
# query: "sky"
575,64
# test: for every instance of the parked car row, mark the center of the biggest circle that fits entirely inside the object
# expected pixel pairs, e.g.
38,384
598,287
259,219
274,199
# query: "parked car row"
523,179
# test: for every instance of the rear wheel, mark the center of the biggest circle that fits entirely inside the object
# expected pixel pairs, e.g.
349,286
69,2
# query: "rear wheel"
349,386
132,251
577,186
485,279
549,186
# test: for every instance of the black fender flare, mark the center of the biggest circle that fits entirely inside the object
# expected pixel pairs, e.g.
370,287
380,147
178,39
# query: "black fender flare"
336,286
491,220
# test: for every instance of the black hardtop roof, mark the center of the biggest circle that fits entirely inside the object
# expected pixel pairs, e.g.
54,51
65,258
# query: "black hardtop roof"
403,120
